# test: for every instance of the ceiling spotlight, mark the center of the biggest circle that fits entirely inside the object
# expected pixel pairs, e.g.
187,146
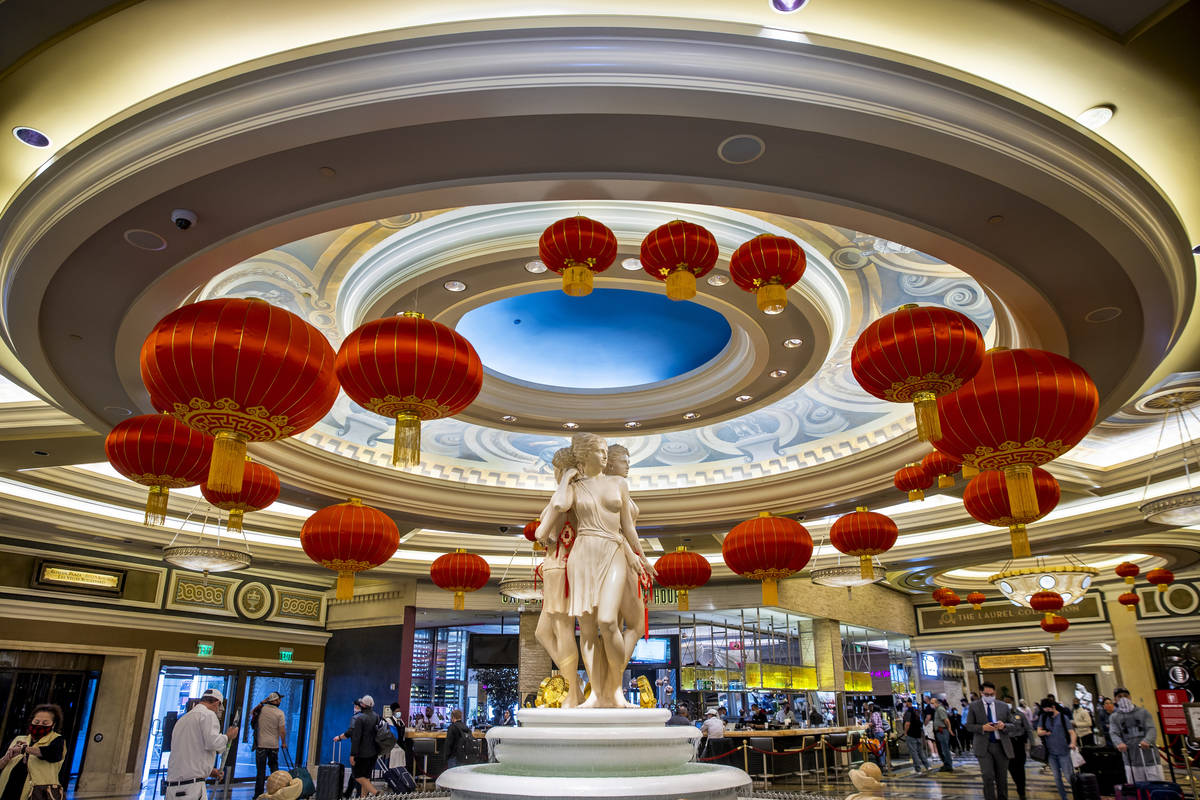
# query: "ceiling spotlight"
778,373
1096,116
787,6
535,267
571,426
508,418
31,136
454,286
631,264
632,425
792,344
743,398
718,279
691,415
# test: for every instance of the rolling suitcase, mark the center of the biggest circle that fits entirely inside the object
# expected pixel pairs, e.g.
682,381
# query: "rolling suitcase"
1106,764
331,778
1085,786
1150,790
398,779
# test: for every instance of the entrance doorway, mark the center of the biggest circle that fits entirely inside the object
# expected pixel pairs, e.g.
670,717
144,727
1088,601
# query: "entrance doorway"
179,686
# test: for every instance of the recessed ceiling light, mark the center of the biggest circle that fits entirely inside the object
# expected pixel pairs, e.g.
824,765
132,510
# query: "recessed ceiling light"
536,267
691,415
508,418
778,373
454,286
792,343
631,425
41,452
31,136
571,425
631,264
124,412
1097,116
743,398
143,239
741,148
718,279
1102,314
787,6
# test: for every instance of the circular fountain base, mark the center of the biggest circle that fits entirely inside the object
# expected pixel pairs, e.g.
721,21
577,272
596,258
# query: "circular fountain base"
695,782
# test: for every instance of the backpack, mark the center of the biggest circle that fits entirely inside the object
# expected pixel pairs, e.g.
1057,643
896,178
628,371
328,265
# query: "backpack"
385,737
466,751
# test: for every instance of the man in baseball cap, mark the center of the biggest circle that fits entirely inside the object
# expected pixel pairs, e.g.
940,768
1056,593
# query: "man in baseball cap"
195,744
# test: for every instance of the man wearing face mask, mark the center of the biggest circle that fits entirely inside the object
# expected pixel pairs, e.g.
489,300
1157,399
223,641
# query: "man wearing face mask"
1133,732
195,743
991,744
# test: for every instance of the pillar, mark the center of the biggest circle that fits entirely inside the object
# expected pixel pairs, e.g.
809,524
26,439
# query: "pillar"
1132,656
827,655
533,662
408,633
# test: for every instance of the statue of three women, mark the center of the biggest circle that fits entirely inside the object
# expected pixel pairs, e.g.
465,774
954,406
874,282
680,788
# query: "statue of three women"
594,571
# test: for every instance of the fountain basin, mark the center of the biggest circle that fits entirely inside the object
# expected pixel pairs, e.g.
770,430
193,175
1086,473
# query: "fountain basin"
693,781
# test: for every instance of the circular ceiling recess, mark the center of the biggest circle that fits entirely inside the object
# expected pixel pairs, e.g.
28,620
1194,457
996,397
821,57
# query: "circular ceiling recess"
609,339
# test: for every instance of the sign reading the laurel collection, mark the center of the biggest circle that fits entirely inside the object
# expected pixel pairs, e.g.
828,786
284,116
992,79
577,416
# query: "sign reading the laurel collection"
1016,660
62,575
1002,614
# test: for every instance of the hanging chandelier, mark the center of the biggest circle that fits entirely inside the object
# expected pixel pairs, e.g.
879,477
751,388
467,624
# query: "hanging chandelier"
522,590
847,576
1071,580
1181,508
199,555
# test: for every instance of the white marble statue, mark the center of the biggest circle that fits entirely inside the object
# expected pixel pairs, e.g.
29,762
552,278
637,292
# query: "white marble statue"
556,627
604,565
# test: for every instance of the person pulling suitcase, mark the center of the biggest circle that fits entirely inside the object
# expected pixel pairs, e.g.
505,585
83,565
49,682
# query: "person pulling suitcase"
1134,734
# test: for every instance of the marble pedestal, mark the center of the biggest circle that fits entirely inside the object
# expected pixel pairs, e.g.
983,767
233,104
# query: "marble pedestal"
594,753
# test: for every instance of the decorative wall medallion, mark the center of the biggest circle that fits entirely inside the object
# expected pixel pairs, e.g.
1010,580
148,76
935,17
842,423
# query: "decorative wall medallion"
254,600
197,593
297,605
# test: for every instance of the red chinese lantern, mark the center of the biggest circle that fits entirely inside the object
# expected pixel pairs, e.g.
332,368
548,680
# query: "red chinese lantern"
410,369
260,488
940,591
460,572
986,499
913,478
767,549
530,532
916,355
1023,408
683,570
348,538
1129,600
160,452
575,248
864,534
976,600
950,601
1128,570
1055,624
767,265
241,371
1161,577
678,253
1046,602
943,466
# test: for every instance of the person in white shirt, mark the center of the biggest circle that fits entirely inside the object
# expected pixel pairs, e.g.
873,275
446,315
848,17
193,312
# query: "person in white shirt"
713,728
195,743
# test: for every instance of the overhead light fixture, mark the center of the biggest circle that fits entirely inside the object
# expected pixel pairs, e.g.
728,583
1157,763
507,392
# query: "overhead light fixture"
208,556
633,425
1097,116
571,425
535,267
787,6
631,264
743,398
717,279
847,577
454,286
31,136
521,590
778,373
1181,508
793,343
1070,578
508,418
691,415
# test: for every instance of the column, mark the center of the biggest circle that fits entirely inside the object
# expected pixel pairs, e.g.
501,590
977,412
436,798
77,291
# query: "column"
827,655
1132,657
408,633
534,663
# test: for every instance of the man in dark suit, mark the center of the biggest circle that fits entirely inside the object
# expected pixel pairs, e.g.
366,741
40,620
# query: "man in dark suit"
985,720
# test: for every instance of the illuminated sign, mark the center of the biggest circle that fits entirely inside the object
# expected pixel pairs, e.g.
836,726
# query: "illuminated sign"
286,654
60,575
929,665
1034,660
204,648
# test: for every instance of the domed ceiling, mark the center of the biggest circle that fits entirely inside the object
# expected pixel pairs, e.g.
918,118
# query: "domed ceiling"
579,361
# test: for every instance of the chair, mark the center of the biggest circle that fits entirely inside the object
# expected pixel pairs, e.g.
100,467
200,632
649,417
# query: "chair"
767,759
424,747
839,762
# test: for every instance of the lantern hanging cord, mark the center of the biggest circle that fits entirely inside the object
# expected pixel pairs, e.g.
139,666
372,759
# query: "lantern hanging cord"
1157,446
1183,444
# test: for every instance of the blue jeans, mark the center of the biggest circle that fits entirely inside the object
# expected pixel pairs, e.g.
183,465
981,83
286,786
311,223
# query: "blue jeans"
916,749
1063,769
943,743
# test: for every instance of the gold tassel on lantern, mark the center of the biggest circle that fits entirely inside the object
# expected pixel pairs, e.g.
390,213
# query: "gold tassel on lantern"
952,609
969,471
406,447
577,280
945,481
916,494
929,428
683,599
156,506
1019,537
770,592
460,600
681,285
236,517
1162,587
771,298
1022,493
345,585
228,462
866,568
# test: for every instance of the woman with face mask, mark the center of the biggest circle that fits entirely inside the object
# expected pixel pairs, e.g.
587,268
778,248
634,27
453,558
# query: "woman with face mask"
29,768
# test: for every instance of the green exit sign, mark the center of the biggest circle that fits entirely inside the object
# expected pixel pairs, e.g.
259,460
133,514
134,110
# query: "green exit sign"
286,654
204,649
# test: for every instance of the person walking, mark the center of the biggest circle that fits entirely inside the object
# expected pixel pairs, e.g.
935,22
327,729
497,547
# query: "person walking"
363,750
35,758
1082,718
460,742
1058,736
269,725
1132,730
990,741
1019,731
195,743
941,732
914,737
1107,708
964,735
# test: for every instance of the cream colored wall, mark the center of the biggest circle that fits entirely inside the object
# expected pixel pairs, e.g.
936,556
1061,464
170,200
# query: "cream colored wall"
104,773
867,606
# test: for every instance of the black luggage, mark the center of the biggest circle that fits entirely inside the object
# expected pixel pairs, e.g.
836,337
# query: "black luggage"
398,779
1107,765
331,778
1085,786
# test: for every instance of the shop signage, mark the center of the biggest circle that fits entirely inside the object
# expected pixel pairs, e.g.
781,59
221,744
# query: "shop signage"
1002,614
62,575
1017,660
1170,708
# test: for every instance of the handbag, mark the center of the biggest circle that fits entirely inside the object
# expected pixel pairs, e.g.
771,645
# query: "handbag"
48,791
307,787
1038,753
1077,759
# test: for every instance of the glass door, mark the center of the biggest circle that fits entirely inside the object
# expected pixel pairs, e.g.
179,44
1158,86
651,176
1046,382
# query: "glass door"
177,691
296,689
